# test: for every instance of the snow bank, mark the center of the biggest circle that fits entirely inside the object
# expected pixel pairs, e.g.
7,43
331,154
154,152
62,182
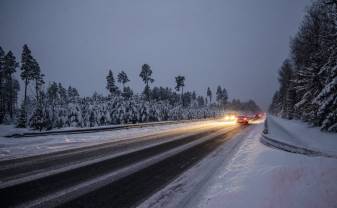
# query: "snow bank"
299,134
11,129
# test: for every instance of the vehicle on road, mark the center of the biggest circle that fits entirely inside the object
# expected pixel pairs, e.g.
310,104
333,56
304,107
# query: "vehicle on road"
230,117
258,116
242,119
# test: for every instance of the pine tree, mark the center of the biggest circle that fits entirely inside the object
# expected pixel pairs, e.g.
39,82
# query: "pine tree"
275,107
127,92
286,87
40,117
209,95
201,101
291,100
327,100
310,51
22,117
194,95
63,94
37,121
37,77
221,96
146,74
2,86
111,85
27,68
72,94
224,96
10,66
52,97
218,94
122,78
180,84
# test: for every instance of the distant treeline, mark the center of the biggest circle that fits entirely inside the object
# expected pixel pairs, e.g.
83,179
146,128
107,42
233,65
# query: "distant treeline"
308,78
54,106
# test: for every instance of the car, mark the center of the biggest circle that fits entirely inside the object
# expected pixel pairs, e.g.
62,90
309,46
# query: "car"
257,116
230,117
242,119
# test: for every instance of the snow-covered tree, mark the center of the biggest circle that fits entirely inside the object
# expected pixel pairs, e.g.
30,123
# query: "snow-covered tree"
327,100
52,99
21,121
146,75
309,83
111,84
2,85
209,95
27,68
62,94
37,120
37,77
122,78
180,84
285,80
221,96
11,85
72,94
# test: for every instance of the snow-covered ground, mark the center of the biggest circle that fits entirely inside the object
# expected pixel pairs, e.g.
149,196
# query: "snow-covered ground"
6,130
299,134
245,173
20,147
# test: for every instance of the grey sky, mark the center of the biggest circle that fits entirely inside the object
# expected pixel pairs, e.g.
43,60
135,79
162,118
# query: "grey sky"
238,44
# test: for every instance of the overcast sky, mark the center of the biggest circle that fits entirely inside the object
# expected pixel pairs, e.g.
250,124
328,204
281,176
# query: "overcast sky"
238,44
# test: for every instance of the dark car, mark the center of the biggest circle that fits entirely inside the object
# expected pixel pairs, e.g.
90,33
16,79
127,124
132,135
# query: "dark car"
258,116
242,119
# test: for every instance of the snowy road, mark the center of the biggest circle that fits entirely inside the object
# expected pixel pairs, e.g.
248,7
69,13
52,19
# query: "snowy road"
11,148
245,173
110,173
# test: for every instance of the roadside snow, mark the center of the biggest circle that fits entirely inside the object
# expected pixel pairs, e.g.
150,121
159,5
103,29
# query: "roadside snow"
253,176
21,147
11,129
299,134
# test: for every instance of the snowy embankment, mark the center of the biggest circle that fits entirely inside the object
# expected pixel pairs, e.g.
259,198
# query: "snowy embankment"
250,174
297,134
21,147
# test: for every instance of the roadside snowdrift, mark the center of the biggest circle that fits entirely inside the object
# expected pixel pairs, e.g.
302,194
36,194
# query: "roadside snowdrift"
299,134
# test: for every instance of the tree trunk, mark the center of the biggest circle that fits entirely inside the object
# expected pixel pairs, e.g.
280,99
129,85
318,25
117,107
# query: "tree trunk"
37,90
10,102
147,91
25,98
2,102
182,96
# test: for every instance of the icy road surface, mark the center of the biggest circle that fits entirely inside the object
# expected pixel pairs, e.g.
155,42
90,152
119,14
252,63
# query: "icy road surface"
21,147
245,173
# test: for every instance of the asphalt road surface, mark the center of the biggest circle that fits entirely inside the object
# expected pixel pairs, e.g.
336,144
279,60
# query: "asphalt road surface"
115,174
